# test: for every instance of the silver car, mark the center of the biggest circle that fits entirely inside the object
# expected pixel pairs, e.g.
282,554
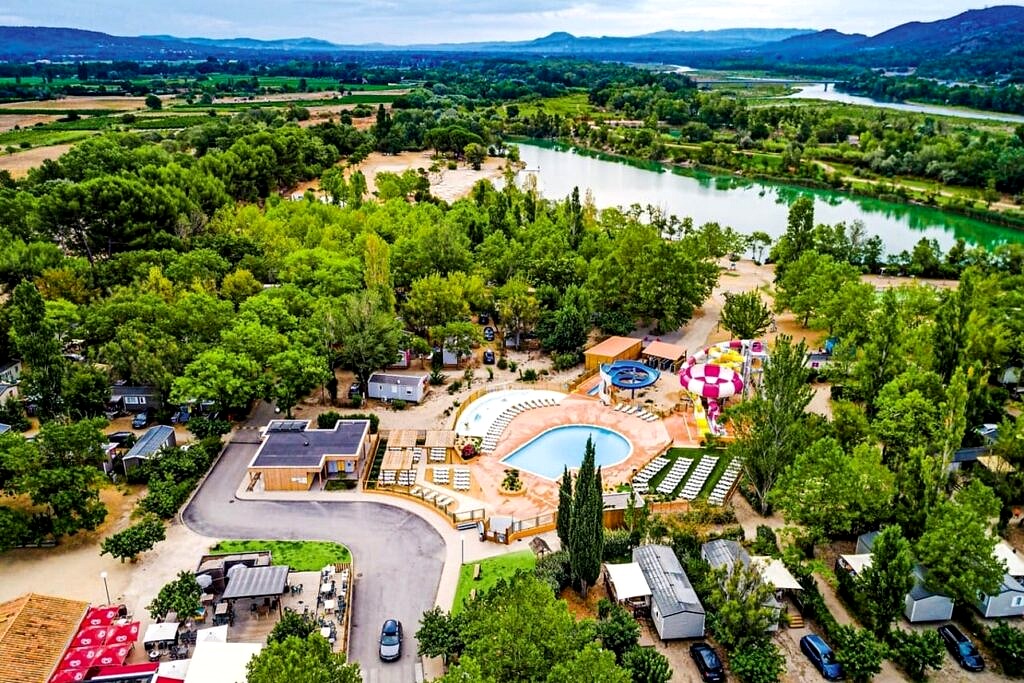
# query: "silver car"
391,640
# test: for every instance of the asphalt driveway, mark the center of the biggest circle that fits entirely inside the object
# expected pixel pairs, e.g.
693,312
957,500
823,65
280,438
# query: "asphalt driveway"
398,556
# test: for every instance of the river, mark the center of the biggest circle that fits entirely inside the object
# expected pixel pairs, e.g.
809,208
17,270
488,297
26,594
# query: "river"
818,92
740,203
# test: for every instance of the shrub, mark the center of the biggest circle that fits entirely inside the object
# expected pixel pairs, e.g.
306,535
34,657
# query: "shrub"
202,427
761,663
647,665
356,402
529,375
454,386
554,570
490,374
138,538
1007,645
859,652
511,482
166,496
765,543
617,545
328,420
398,404
373,418
502,363
564,361
915,651
513,366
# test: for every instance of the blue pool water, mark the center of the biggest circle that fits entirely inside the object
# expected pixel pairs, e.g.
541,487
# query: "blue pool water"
548,454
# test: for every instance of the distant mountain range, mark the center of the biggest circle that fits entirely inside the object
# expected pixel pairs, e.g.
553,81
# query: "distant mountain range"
976,33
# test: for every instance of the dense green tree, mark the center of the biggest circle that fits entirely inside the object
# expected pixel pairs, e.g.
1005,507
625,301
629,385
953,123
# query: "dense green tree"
745,315
86,391
618,630
1007,643
369,336
239,285
475,154
957,546
836,493
292,624
883,586
302,660
295,372
435,300
565,498
129,543
859,652
231,380
758,663
769,426
180,595
36,341
647,665
586,531
810,283
518,309
589,665
740,617
916,651
439,634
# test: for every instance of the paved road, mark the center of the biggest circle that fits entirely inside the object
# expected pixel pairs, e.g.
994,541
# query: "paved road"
398,556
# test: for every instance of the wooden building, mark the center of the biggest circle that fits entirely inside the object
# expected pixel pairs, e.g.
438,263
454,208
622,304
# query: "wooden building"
294,456
611,350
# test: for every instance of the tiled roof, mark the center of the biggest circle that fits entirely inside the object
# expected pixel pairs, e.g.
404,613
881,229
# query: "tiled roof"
34,632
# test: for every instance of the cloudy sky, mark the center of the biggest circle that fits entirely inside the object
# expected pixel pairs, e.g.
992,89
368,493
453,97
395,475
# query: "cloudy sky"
433,21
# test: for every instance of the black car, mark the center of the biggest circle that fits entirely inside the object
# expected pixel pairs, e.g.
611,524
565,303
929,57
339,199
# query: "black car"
708,663
488,357
355,389
961,647
489,333
484,319
391,640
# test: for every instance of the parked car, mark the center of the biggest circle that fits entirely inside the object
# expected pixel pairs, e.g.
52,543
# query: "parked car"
488,357
489,333
142,419
822,657
391,640
355,389
708,663
484,319
961,647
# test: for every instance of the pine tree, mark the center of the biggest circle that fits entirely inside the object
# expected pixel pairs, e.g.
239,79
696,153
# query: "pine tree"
564,522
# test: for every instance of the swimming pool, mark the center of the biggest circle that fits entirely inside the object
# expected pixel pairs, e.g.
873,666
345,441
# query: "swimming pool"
549,453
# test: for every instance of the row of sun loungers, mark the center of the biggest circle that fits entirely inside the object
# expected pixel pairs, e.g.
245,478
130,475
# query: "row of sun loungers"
438,454
699,477
462,479
636,411
442,475
674,476
501,422
439,499
641,478
725,484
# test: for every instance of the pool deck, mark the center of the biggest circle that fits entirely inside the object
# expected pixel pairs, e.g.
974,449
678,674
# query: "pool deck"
648,438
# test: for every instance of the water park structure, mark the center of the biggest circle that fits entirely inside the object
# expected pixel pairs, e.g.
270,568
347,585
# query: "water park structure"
718,372
625,374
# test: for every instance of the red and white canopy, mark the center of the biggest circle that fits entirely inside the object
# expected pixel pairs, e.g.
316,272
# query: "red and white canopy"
710,381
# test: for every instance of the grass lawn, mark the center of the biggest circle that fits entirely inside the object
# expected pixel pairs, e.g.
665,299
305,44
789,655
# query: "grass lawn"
301,556
491,570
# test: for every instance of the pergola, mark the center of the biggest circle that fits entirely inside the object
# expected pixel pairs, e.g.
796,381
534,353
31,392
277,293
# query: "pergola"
256,582
666,356
438,439
403,438
397,460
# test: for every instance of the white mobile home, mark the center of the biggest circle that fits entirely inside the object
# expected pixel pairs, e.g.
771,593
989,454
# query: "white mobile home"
675,607
391,386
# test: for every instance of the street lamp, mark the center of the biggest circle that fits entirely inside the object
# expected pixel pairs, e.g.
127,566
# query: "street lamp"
103,575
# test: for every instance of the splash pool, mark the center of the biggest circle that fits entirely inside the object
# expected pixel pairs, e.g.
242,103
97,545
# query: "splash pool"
550,452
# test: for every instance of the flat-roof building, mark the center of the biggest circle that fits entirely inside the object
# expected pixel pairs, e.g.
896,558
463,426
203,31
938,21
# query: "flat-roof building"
294,456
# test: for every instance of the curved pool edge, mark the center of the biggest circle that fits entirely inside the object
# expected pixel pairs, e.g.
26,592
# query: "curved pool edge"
528,443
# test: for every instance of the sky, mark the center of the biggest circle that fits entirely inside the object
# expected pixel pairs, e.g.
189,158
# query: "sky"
437,21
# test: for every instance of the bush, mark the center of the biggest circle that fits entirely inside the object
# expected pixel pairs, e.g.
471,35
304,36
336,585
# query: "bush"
398,404
915,651
165,496
529,375
859,652
512,482
202,427
328,420
136,539
765,543
355,402
617,545
502,363
454,386
513,366
374,420
564,361
13,413
761,663
1007,645
554,570
647,665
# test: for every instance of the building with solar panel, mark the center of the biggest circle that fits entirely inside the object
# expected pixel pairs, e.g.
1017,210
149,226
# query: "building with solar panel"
295,456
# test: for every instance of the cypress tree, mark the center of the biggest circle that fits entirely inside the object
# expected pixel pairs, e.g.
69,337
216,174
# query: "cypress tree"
564,522
584,554
599,520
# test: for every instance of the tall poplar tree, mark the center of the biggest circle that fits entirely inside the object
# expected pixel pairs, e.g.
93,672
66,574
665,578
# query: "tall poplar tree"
586,529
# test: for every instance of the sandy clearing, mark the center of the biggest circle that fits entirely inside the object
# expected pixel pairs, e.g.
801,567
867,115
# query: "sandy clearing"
301,96
19,163
447,184
81,102
11,121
